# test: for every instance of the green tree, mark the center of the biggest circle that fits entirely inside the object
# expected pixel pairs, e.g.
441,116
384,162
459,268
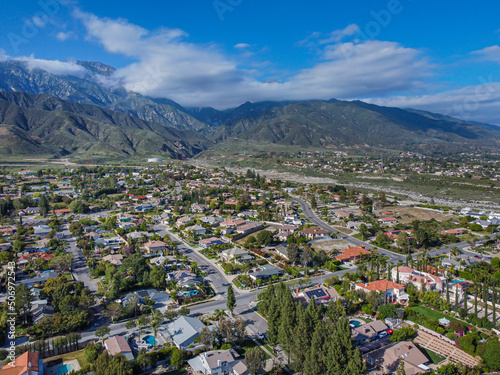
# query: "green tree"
157,278
22,302
314,204
254,360
102,332
231,299
491,357
177,358
364,232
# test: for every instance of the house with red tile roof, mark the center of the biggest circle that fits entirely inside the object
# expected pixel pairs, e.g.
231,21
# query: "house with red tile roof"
28,363
352,254
395,292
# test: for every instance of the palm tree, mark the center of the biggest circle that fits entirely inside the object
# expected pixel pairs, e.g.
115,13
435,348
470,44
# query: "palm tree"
219,314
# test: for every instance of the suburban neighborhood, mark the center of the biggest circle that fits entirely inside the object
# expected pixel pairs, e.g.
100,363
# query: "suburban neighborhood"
177,269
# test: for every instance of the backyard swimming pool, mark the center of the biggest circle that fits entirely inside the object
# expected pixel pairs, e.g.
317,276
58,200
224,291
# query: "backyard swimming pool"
355,323
150,340
64,369
456,281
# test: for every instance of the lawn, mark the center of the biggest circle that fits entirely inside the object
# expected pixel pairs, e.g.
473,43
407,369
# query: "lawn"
433,356
250,344
433,314
78,355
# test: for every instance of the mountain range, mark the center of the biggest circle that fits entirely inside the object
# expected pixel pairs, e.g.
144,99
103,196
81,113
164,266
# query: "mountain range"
83,114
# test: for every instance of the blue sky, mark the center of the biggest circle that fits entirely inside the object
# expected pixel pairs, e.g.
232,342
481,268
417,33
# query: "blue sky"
440,56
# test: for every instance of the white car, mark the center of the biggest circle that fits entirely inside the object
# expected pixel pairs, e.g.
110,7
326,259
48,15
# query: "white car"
382,334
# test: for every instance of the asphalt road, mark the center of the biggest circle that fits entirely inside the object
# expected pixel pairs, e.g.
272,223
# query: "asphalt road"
311,216
218,280
79,267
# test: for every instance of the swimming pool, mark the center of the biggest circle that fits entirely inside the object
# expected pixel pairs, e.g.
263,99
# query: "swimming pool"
456,281
64,369
150,340
354,323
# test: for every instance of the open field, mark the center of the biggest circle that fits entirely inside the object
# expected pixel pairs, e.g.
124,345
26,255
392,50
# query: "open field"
331,246
408,214
433,314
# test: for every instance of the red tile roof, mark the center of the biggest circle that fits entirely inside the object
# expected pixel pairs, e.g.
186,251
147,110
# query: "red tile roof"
381,285
21,364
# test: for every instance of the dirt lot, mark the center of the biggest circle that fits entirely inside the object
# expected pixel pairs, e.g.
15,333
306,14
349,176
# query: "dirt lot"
408,214
331,246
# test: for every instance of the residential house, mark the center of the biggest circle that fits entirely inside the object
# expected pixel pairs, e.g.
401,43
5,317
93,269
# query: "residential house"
417,278
394,292
155,247
207,242
319,294
28,363
197,230
352,254
41,279
461,287
232,223
356,225
40,309
114,259
388,358
390,221
314,233
182,331
183,221
119,345
185,279
248,228
367,332
198,208
211,220
219,362
160,297
236,254
266,271
42,230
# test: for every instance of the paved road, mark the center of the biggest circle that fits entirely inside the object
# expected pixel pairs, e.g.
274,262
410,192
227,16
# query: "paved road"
311,216
215,276
79,267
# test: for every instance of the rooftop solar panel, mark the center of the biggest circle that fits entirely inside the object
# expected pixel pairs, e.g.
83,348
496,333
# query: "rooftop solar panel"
316,293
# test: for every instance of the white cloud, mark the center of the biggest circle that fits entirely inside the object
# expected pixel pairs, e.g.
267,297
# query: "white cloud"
489,53
242,45
3,55
53,66
337,35
199,75
63,36
476,103
40,22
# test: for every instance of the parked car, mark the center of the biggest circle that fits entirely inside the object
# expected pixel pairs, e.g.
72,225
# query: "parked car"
389,331
382,334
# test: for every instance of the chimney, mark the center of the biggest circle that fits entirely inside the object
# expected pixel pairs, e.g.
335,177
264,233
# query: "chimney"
297,292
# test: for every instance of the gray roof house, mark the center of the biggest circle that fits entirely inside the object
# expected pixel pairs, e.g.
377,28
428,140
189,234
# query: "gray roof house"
266,271
236,254
368,331
217,362
182,331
